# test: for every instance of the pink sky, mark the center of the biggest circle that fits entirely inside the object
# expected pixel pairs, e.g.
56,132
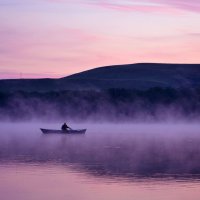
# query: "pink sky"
55,38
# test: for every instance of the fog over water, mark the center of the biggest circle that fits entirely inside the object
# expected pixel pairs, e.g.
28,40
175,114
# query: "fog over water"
110,150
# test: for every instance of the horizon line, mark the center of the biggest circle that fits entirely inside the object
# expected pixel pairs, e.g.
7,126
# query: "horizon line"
114,65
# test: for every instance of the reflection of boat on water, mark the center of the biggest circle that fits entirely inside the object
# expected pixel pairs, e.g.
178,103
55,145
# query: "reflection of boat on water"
71,131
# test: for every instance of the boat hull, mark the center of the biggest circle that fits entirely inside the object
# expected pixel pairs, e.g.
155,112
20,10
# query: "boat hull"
50,131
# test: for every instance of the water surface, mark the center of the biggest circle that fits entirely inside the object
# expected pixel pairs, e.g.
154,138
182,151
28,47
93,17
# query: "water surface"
154,161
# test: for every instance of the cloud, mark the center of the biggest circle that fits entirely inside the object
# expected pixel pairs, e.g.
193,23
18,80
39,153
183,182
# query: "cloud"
125,5
16,40
129,6
47,48
151,5
193,5
140,6
195,34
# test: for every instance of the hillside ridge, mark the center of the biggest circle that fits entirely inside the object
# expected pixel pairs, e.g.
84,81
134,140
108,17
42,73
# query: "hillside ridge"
129,76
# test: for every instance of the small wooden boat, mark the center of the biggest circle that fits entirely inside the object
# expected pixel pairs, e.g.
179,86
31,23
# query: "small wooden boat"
50,131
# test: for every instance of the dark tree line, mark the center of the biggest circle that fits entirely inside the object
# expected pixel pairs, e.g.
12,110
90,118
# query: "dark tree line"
112,104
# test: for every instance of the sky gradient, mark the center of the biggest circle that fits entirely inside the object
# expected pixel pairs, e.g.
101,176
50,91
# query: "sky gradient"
55,38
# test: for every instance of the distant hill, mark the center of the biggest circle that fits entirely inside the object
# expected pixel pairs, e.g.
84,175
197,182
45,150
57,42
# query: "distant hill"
132,76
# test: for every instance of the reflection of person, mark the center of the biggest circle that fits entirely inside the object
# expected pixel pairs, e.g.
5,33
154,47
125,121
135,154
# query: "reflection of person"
65,127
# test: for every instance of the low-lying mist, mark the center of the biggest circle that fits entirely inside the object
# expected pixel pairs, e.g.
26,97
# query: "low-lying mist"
113,105
125,150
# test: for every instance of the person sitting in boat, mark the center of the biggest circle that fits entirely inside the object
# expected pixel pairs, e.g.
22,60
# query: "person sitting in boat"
65,127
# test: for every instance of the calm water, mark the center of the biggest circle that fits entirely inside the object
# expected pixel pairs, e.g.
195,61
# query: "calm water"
155,161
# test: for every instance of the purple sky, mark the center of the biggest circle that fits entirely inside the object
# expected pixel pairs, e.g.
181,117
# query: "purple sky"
54,38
